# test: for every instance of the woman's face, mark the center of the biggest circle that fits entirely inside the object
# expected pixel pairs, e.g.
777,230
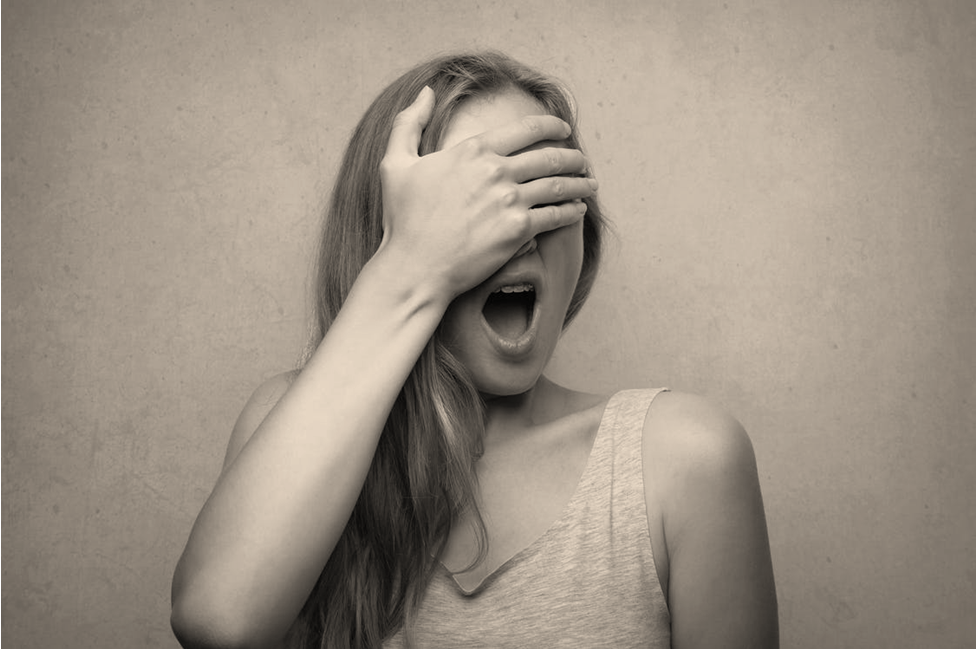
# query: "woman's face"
505,329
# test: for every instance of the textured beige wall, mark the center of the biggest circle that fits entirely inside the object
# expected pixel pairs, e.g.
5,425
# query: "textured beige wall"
793,188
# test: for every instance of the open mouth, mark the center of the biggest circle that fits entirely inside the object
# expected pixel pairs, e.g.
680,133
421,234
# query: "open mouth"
508,310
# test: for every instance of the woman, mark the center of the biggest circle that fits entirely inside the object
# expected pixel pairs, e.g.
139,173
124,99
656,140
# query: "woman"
419,482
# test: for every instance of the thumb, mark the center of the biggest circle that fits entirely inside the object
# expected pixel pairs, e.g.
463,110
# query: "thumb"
409,125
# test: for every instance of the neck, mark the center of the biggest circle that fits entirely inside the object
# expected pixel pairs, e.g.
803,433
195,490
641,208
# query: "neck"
514,414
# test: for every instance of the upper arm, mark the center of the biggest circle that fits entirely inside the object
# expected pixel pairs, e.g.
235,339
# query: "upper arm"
265,397
703,483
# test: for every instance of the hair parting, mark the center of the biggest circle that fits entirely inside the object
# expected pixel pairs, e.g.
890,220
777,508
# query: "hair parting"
422,477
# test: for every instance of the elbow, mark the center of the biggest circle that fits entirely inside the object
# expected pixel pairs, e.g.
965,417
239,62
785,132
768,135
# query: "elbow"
196,630
204,615
201,625
212,610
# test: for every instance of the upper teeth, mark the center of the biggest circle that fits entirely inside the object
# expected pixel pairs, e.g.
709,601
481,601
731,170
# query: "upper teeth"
515,288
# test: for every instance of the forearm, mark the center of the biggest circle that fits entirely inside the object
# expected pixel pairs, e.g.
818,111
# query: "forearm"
450,219
280,506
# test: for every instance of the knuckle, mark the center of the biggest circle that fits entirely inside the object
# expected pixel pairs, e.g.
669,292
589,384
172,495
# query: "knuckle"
522,225
558,187
510,198
531,124
552,159
474,146
495,172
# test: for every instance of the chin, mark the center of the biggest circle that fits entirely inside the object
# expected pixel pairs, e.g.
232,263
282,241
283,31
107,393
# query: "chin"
503,388
493,377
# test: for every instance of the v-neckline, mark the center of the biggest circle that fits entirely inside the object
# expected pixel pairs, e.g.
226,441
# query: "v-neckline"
532,546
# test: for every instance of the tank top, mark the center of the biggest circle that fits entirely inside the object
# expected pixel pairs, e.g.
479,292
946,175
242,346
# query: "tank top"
588,581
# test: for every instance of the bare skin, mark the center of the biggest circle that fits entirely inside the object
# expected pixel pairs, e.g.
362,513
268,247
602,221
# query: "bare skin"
705,515
707,526
536,448
306,440
254,552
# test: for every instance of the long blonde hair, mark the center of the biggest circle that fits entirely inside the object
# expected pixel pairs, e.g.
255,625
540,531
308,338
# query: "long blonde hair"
422,477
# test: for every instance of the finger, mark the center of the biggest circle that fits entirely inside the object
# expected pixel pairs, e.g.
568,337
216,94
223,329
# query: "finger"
527,247
548,161
525,132
409,124
553,217
556,189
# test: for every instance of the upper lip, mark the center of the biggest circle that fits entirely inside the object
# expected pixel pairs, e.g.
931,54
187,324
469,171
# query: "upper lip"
513,278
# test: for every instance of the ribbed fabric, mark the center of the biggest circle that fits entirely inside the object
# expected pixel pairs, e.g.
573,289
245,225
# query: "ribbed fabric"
588,581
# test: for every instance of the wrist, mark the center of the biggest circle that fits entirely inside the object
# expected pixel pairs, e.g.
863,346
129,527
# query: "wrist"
400,279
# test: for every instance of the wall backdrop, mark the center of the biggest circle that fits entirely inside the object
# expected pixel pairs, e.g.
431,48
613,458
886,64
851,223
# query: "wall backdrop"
793,189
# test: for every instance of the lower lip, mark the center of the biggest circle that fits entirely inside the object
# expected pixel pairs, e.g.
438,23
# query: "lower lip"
515,347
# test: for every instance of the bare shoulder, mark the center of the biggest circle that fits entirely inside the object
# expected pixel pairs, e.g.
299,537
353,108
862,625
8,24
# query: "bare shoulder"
707,519
698,461
255,410
708,525
694,436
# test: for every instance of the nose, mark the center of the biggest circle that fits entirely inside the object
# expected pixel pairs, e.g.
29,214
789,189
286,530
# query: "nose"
527,247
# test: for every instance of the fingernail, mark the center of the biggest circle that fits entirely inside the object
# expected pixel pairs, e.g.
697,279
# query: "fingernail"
594,185
581,207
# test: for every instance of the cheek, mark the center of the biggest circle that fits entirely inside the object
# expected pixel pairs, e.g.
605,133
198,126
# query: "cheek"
459,318
563,251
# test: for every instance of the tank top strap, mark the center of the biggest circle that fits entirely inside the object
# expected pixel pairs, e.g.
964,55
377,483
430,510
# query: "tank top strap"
613,481
626,417
594,564
616,455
